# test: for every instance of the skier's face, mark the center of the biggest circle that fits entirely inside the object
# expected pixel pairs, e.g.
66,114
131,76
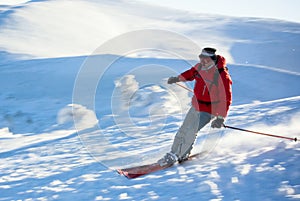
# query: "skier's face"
206,61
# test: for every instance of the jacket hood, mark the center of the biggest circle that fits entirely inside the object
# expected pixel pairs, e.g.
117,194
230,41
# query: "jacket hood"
221,61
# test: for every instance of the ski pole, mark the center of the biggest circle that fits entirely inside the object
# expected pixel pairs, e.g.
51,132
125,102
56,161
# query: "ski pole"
190,90
271,135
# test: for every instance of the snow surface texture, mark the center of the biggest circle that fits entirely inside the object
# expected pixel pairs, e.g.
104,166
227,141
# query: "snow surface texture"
67,122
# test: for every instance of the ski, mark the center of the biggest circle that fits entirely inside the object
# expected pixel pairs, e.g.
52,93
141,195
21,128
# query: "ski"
137,171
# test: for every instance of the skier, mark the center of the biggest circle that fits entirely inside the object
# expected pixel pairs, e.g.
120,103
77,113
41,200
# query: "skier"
211,101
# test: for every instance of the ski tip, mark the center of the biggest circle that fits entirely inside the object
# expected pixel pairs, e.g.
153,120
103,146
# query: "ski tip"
119,171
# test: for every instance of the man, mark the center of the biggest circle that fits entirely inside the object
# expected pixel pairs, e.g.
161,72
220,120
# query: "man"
211,101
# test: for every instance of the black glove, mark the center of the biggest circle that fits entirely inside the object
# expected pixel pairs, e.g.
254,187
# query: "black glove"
172,80
218,122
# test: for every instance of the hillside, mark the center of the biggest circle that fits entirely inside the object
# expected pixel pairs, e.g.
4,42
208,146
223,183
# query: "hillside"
83,91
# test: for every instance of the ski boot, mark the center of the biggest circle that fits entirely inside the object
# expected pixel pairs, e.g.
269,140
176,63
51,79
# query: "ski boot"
184,158
168,160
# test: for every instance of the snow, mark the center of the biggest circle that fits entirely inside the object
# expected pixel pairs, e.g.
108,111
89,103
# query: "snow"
67,120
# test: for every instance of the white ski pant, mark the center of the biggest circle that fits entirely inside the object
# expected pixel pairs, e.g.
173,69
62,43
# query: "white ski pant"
186,135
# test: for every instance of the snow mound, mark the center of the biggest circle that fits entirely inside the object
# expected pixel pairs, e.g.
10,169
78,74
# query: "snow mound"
5,133
82,117
170,98
146,107
127,86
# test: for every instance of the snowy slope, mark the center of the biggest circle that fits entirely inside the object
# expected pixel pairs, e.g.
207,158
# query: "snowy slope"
53,146
240,167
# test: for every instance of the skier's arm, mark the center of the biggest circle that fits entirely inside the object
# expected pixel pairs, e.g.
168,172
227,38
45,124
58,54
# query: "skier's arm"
188,75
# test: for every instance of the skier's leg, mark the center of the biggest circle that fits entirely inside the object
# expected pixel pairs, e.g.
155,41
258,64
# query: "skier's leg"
186,133
204,118
185,137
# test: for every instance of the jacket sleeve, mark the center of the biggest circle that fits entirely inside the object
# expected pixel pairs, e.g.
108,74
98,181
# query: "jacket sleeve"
188,75
225,94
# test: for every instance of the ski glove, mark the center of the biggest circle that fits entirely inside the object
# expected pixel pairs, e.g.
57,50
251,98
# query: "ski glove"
173,80
218,122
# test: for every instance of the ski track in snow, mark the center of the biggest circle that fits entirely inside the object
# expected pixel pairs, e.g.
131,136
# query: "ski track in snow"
44,156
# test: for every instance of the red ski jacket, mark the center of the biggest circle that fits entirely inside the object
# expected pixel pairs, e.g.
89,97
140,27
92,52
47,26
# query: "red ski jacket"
212,90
